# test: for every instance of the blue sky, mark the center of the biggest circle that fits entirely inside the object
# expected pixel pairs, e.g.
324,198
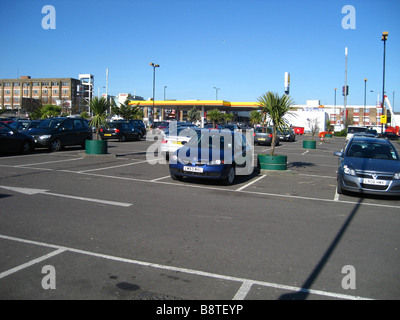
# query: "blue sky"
243,47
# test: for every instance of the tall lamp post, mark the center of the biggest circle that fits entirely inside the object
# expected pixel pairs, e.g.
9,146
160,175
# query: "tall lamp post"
365,100
216,93
154,90
345,92
384,38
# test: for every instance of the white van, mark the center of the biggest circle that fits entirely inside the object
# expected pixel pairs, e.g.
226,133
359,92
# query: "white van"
351,130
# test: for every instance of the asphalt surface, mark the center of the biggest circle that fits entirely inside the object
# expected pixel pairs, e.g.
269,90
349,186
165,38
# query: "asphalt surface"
121,228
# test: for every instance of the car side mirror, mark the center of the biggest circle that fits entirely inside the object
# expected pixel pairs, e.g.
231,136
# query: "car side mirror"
338,153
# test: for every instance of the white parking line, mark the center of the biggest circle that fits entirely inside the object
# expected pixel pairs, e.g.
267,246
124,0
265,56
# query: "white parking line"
113,167
162,178
250,183
241,294
47,162
30,263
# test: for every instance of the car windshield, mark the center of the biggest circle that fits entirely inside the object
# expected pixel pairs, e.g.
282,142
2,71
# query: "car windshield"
49,123
212,140
263,130
356,129
372,151
180,131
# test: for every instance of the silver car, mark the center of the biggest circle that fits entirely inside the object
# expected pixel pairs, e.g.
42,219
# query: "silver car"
369,165
263,135
175,138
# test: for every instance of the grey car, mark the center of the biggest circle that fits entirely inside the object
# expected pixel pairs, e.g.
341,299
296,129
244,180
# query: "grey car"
369,165
263,135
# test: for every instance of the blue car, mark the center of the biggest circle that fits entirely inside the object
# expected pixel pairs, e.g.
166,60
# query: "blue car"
369,165
213,154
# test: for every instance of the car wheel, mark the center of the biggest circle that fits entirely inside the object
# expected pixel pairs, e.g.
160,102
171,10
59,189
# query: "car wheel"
175,177
339,189
56,145
26,147
231,176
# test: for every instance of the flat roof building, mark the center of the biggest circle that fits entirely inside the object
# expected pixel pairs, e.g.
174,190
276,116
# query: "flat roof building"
63,92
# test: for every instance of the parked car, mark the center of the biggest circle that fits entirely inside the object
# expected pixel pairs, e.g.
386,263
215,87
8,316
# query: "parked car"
390,135
120,130
369,165
13,141
286,134
231,126
6,120
25,125
351,130
174,139
211,126
56,133
138,124
263,135
213,154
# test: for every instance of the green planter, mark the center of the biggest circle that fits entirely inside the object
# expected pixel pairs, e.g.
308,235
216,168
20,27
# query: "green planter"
328,135
309,144
96,147
268,162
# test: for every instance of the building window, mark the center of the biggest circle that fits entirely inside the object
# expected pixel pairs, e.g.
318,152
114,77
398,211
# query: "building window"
7,92
16,92
26,92
45,83
16,84
65,84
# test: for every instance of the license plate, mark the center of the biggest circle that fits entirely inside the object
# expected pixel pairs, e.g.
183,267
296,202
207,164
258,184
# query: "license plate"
193,169
107,134
176,142
375,182
261,139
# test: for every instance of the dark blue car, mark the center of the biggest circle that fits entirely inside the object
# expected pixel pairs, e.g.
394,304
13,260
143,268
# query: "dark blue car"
213,154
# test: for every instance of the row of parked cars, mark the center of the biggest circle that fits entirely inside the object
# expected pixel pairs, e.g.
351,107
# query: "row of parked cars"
22,136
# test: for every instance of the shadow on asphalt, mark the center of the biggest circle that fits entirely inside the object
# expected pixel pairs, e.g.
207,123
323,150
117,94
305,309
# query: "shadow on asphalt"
304,292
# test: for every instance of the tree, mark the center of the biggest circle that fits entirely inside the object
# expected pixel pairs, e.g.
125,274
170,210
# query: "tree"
275,108
214,115
99,108
255,117
194,115
126,110
227,117
49,111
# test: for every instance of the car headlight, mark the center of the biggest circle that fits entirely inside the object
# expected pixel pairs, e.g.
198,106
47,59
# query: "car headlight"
216,162
46,136
174,157
396,176
349,171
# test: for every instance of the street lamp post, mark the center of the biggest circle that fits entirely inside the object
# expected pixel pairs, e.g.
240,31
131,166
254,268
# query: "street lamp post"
154,90
216,93
365,100
334,124
345,91
384,38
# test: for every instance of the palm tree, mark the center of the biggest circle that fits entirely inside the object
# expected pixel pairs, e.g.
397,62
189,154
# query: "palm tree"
255,117
275,108
99,108
126,110
214,115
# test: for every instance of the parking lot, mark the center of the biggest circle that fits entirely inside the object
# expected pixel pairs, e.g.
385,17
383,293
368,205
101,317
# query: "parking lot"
121,228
